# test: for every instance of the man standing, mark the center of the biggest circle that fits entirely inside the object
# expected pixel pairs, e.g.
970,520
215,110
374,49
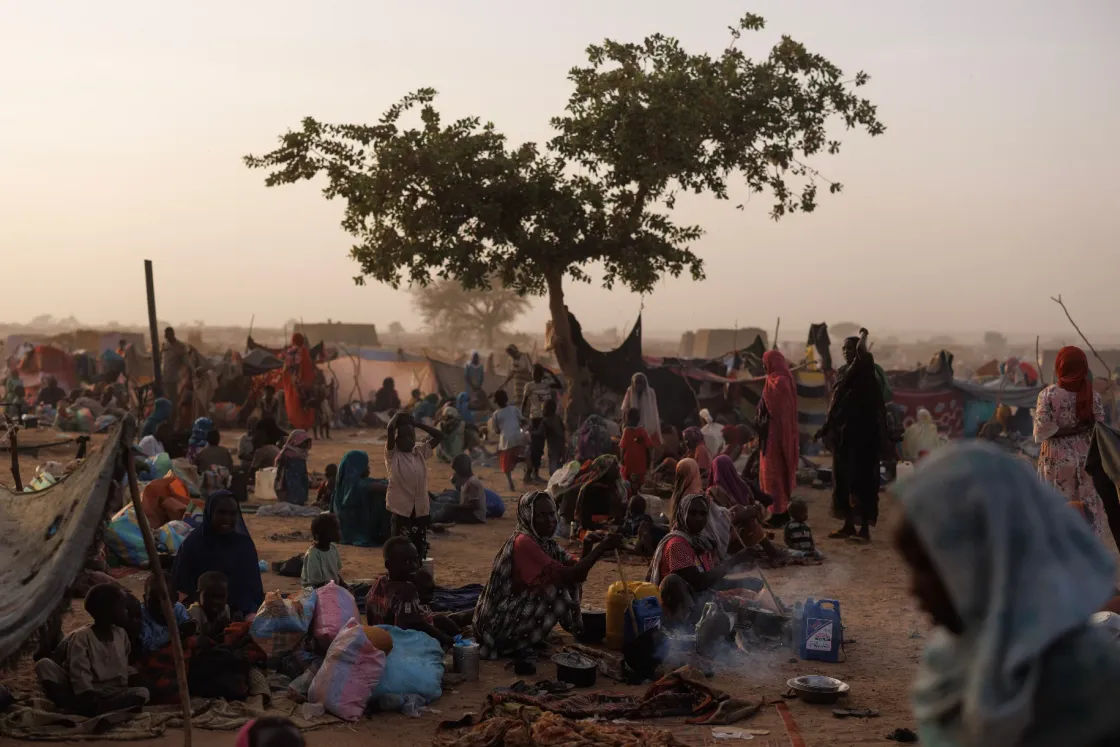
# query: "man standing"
855,430
537,392
520,373
173,354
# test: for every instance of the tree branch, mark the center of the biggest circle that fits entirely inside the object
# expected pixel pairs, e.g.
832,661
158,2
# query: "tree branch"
1058,300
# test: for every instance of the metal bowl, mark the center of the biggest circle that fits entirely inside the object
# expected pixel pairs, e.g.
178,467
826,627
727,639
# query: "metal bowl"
816,688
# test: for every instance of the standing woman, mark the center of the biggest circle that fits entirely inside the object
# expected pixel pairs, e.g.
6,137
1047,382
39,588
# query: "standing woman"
641,397
299,380
1063,424
780,448
292,483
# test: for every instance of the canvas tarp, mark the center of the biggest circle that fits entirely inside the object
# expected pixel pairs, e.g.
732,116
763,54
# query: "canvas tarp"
1013,396
450,379
47,537
359,379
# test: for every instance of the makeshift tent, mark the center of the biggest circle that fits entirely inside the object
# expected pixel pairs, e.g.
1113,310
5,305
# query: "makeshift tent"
359,379
47,360
47,537
450,380
259,361
946,405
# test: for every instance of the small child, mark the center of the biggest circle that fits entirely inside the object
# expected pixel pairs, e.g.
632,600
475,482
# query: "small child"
88,673
270,731
636,447
506,422
211,611
640,527
407,464
326,490
154,631
798,536
552,431
471,505
322,562
393,599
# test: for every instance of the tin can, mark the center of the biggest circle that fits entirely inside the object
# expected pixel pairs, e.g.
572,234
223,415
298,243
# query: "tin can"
573,532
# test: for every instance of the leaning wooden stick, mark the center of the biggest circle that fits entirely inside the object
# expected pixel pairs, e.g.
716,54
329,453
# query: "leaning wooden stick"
1107,370
765,583
161,586
626,590
13,446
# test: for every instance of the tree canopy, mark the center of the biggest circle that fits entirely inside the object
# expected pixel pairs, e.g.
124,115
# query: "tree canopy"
469,316
645,122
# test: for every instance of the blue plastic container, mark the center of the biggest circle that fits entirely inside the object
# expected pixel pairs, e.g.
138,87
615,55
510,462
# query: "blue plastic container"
820,634
646,613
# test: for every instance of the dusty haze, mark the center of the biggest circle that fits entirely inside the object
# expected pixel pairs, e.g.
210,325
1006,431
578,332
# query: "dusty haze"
122,126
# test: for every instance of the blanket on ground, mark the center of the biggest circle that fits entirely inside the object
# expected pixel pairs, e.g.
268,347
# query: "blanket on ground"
553,729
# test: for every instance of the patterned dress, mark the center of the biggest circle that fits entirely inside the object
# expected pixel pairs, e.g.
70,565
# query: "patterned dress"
1061,461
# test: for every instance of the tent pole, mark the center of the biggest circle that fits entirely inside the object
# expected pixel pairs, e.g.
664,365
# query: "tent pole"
13,446
153,327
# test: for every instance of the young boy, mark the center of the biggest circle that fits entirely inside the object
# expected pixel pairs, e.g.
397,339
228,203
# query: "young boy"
211,612
552,431
636,447
506,422
640,526
213,454
88,673
154,631
393,599
322,562
798,536
326,490
471,506
407,464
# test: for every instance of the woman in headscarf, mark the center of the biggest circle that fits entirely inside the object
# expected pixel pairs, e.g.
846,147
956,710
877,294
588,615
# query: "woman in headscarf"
641,397
602,492
780,447
386,398
697,448
197,441
359,503
463,405
1010,577
920,439
593,439
425,411
1064,418
713,432
221,543
453,428
299,383
161,413
474,373
292,483
729,490
534,583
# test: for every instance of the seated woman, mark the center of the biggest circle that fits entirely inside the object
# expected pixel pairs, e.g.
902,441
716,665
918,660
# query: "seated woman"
1010,576
603,494
359,503
454,431
292,483
729,490
221,543
534,583
697,450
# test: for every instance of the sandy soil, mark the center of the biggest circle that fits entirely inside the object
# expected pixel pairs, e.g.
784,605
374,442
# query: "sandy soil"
883,628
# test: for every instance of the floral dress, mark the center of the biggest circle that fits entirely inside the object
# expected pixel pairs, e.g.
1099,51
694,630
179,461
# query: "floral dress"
1061,461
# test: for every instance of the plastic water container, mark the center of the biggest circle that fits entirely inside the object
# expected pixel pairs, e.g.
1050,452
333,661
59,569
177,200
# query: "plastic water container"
820,635
644,615
265,489
619,600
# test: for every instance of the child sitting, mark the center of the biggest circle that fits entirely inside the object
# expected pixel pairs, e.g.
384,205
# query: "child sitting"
640,527
211,612
506,423
88,673
470,505
322,562
393,599
636,447
154,631
326,490
798,536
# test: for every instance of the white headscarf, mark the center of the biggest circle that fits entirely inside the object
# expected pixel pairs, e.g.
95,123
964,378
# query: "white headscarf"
921,436
640,395
1022,569
713,433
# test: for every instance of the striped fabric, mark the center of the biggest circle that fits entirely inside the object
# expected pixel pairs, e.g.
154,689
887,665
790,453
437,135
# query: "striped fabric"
812,401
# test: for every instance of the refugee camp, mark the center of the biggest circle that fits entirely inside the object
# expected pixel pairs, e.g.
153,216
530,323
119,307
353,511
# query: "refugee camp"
491,375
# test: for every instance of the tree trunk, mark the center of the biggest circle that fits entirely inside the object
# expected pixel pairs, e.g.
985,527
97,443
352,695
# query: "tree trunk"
578,378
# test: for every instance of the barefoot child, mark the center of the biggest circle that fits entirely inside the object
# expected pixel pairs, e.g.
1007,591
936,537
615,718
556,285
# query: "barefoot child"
326,490
88,673
506,422
798,535
211,611
407,463
322,562
393,599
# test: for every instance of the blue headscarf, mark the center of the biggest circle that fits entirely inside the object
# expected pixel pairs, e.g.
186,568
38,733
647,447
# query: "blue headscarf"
161,413
201,427
358,503
233,554
352,473
1024,572
463,405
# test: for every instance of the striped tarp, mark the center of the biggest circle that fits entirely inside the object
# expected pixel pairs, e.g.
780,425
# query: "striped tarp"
812,401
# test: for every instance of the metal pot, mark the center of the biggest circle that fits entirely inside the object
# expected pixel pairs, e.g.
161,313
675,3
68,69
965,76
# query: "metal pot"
594,627
577,669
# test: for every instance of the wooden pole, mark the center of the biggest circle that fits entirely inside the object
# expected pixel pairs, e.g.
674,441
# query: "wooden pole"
1107,370
777,328
1038,361
153,327
13,446
164,593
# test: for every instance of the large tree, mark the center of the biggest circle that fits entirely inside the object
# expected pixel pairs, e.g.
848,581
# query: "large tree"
469,315
644,123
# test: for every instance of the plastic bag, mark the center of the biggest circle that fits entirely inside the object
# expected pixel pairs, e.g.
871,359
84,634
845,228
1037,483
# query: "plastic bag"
414,666
281,624
301,685
334,606
124,540
351,670
495,509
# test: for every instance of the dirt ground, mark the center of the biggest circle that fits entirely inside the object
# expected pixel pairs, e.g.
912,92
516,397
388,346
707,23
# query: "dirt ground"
882,626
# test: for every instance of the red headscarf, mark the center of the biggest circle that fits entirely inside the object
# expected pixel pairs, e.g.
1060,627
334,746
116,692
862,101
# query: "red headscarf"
1072,368
779,462
297,340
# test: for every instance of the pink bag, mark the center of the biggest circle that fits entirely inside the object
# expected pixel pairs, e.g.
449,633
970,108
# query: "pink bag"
351,670
334,606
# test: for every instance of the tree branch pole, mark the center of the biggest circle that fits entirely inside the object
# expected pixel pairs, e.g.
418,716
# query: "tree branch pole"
13,446
1107,370
777,327
127,434
1038,361
153,327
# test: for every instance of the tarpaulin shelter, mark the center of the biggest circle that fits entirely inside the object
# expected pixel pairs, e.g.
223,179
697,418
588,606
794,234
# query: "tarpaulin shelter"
358,379
47,360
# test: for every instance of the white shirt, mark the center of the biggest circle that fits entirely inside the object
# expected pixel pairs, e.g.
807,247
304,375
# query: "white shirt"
507,423
150,447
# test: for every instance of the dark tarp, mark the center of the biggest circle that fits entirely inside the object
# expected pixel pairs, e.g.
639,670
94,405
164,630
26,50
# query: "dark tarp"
937,374
818,338
47,538
259,361
1103,465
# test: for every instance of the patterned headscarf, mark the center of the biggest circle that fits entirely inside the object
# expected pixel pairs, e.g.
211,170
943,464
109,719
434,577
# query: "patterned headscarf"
296,447
701,542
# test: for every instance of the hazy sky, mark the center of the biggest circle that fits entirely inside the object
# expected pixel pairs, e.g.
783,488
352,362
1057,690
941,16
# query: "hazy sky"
122,126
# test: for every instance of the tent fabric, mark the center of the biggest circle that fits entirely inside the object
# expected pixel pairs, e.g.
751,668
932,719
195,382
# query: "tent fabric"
946,405
47,360
359,379
812,402
1013,396
47,537
380,354
450,380
259,361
